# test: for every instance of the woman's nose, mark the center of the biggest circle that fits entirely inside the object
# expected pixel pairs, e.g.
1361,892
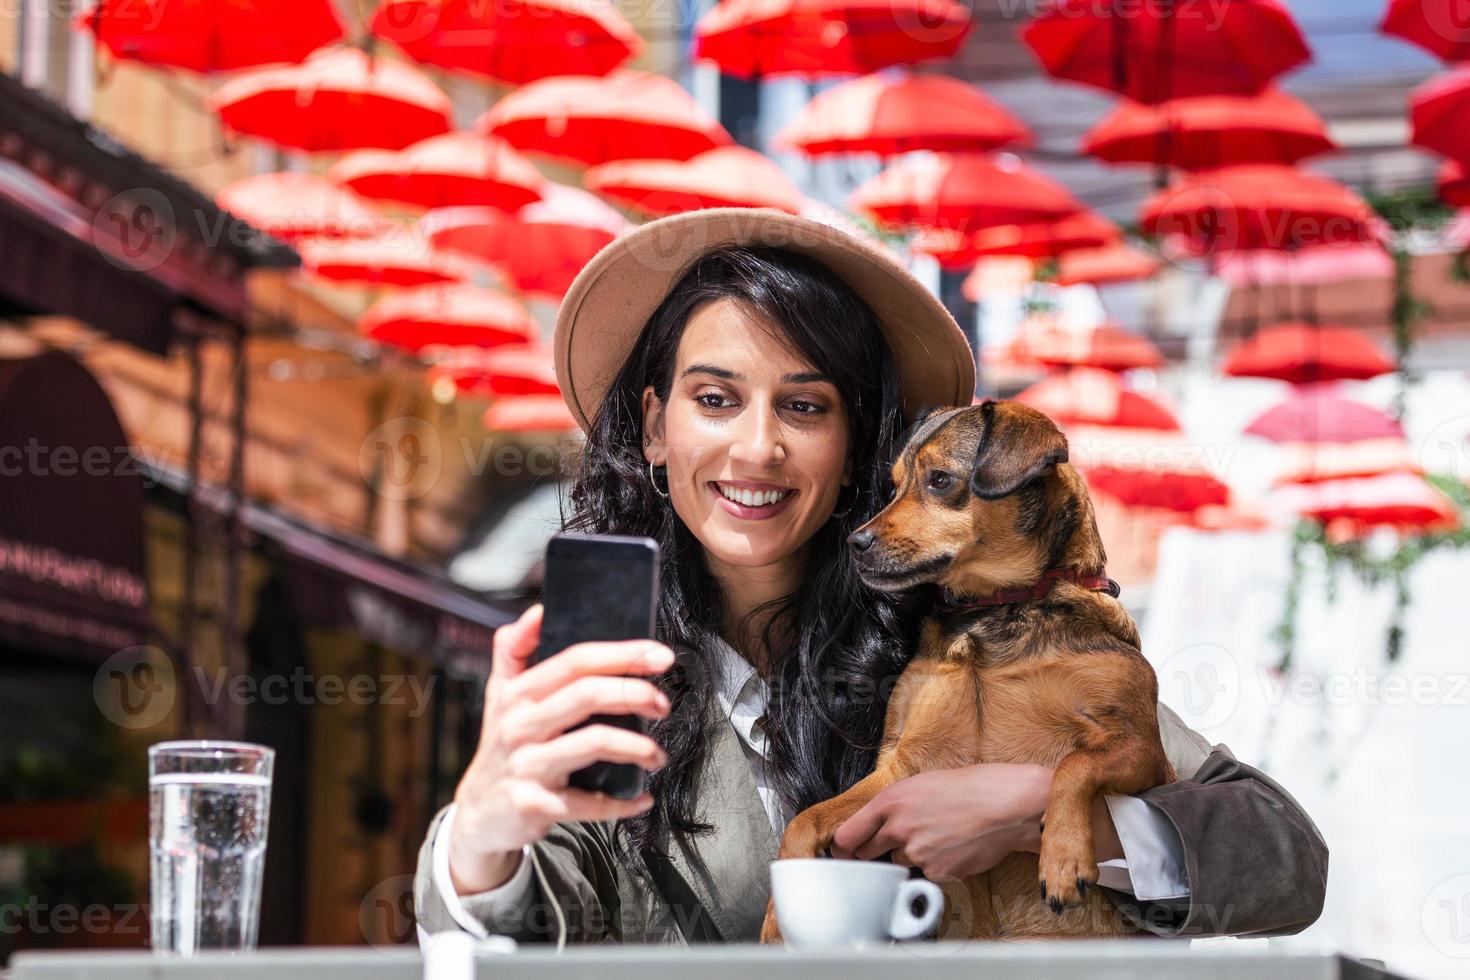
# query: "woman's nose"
759,440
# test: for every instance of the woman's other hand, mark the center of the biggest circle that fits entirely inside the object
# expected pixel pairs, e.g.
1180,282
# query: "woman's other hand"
953,823
515,788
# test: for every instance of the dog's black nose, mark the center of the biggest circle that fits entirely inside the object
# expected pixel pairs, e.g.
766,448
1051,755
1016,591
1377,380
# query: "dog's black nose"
861,540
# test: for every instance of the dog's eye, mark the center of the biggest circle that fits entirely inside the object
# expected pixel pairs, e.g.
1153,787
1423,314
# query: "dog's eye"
939,480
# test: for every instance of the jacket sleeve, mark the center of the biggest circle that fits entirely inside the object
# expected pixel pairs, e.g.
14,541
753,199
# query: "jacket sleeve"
573,896
1256,863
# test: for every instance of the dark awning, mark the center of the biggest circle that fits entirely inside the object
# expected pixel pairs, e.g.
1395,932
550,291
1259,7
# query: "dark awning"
72,574
347,584
90,229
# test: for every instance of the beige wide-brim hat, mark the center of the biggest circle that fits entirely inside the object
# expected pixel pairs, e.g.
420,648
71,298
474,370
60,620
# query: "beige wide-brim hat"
612,298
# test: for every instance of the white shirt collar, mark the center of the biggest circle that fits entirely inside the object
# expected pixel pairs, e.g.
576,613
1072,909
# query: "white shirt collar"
741,693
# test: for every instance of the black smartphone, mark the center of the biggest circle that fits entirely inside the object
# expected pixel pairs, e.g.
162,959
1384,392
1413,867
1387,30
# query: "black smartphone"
600,587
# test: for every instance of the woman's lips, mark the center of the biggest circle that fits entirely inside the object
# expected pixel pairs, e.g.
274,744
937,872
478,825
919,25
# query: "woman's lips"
751,513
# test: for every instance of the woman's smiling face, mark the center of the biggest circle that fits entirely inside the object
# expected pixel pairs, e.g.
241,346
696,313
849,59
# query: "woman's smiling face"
749,418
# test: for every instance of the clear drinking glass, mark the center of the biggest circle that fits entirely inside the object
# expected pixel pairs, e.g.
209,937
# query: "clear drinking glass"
209,808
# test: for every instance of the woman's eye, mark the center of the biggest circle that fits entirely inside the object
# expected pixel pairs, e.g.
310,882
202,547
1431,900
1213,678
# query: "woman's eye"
939,480
704,399
811,408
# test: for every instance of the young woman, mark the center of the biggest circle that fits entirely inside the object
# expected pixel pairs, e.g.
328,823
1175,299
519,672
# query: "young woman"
743,377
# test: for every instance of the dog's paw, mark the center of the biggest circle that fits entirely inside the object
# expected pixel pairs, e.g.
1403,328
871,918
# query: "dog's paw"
1066,873
770,931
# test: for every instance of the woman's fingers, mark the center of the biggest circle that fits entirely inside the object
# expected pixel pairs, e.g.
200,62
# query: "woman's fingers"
584,805
513,644
856,829
552,762
588,659
877,845
540,721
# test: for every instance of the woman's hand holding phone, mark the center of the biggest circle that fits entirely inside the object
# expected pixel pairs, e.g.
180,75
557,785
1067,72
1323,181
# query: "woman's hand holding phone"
515,788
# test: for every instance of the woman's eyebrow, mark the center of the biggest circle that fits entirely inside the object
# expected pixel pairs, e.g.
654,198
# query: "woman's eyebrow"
725,373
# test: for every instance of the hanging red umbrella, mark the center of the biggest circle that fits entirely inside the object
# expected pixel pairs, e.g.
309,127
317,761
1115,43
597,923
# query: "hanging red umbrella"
1154,52
755,38
1303,353
1315,414
1305,266
388,261
1401,500
452,316
731,176
1210,131
292,205
211,35
888,115
1314,462
586,121
1454,184
530,413
1145,468
1437,111
525,369
1438,26
510,41
1089,396
541,247
1105,346
1102,266
338,99
1049,239
1258,206
963,191
443,171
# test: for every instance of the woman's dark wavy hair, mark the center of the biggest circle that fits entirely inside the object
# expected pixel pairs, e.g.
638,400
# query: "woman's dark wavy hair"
825,716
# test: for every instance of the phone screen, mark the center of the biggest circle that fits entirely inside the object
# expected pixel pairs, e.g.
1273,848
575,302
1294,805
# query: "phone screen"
600,587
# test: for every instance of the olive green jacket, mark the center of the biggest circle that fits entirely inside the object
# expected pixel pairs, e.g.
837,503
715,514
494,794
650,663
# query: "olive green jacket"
1256,864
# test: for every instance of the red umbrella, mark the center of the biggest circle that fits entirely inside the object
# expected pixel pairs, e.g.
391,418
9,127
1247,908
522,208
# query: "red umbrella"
1305,352
510,41
754,38
1314,462
1437,111
1303,266
1454,184
1089,396
1154,52
292,205
1258,206
958,250
525,369
389,261
1400,500
453,169
452,316
541,247
1105,346
889,115
1438,26
1145,469
1210,131
1317,415
585,121
530,413
1101,266
731,176
338,99
211,35
964,191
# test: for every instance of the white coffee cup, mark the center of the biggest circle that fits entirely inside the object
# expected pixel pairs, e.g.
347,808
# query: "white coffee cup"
825,902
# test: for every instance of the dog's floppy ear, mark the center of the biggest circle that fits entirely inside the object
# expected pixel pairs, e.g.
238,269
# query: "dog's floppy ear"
1018,445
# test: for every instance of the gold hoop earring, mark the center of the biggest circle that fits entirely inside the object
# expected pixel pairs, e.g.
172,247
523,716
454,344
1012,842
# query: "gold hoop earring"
654,480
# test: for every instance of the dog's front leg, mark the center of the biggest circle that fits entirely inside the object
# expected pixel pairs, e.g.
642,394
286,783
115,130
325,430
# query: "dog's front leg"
931,723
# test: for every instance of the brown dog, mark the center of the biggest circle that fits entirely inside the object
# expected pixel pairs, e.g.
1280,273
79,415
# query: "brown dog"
1026,657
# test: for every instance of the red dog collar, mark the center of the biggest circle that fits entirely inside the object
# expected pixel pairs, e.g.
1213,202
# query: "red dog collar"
1096,581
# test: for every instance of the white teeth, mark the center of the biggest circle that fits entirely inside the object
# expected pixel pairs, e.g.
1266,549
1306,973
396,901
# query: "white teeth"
752,498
